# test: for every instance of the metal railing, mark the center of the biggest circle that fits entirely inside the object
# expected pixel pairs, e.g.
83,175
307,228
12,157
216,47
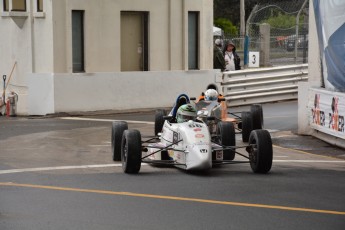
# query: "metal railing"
263,85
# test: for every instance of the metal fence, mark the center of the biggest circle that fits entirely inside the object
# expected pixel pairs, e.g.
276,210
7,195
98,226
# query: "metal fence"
288,42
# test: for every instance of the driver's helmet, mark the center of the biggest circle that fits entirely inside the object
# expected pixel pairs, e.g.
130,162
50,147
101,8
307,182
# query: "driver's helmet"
211,95
185,113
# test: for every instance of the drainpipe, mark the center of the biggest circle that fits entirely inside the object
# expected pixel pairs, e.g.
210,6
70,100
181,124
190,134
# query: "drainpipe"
297,21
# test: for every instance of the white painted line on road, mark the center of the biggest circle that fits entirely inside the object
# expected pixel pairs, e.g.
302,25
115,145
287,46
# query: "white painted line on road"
9,171
60,168
273,130
308,161
57,137
105,120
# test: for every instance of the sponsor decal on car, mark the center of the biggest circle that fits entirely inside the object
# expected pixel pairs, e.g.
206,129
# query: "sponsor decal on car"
195,126
197,129
199,135
171,153
219,155
175,137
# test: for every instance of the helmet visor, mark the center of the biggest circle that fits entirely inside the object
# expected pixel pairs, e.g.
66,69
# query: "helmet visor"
185,118
211,98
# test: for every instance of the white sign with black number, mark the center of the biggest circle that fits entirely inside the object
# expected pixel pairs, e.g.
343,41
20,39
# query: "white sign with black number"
254,59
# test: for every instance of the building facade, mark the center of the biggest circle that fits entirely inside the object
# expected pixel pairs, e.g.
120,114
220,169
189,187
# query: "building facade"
81,48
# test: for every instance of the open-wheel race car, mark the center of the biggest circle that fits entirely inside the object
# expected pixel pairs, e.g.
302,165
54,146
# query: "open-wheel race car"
244,122
189,145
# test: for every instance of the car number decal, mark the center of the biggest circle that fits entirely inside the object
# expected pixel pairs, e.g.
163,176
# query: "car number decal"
175,137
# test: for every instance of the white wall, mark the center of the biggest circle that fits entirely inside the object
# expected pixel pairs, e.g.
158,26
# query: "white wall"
54,93
40,45
306,91
314,75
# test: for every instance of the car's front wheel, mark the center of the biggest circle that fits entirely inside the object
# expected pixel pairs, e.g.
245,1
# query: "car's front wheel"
131,151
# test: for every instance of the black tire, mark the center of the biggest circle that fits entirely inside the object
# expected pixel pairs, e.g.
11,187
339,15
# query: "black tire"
258,117
247,125
261,154
159,120
117,130
226,137
131,151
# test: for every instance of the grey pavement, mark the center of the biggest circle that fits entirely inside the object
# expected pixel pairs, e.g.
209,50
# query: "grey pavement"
12,126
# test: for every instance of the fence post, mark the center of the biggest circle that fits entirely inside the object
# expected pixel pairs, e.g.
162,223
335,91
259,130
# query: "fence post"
265,31
245,51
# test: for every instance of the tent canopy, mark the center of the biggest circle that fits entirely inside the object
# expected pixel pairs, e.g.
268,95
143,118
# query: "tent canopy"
217,31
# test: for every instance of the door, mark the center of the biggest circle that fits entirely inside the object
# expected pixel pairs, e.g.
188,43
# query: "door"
133,41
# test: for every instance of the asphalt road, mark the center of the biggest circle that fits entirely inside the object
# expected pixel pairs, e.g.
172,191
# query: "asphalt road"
57,173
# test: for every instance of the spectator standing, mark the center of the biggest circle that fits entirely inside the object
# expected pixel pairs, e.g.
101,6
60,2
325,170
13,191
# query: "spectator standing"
218,57
232,60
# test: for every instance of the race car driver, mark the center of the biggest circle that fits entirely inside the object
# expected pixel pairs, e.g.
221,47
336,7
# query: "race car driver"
185,113
210,95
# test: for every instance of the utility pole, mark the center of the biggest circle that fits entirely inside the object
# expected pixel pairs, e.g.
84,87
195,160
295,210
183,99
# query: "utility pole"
243,16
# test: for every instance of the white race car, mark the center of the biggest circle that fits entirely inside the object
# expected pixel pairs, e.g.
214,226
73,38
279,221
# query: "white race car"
188,145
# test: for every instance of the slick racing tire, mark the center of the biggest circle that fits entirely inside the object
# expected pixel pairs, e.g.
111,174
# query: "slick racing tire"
258,121
159,120
131,151
226,133
261,152
247,125
117,130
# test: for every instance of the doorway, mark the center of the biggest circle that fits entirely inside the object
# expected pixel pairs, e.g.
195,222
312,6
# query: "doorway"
134,41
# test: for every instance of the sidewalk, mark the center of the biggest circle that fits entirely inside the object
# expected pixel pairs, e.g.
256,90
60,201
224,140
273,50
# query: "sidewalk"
307,144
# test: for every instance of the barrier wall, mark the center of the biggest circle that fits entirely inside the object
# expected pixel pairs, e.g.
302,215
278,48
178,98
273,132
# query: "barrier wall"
261,85
54,93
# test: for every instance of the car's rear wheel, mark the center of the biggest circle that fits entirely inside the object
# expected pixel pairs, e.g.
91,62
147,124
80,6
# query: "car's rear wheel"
260,151
226,137
159,120
118,127
258,121
247,125
131,151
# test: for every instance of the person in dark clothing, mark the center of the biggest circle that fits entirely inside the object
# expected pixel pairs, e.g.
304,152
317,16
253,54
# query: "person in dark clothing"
218,57
232,60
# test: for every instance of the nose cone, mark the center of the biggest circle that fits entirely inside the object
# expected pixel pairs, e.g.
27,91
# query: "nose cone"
199,157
